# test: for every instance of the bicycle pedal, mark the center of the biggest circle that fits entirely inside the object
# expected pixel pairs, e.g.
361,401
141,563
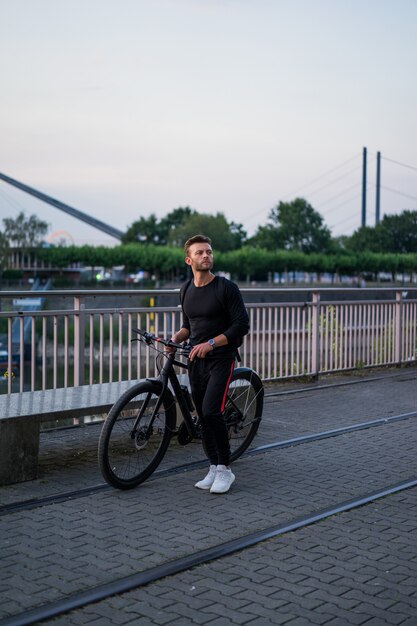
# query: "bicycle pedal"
183,435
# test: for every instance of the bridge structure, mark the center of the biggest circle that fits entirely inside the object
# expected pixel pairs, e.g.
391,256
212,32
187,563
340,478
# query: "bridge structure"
79,215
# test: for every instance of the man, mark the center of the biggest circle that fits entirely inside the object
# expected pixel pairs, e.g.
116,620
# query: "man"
215,321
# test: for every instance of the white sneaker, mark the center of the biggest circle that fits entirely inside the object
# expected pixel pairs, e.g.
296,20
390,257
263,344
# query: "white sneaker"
207,482
223,480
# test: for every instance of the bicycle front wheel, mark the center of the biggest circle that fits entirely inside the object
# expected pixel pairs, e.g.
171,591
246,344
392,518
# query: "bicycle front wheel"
243,409
135,435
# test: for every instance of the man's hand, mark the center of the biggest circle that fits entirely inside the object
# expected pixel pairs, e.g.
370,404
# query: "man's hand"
200,350
178,337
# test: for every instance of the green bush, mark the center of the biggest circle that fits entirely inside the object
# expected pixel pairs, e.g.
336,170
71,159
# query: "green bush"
247,262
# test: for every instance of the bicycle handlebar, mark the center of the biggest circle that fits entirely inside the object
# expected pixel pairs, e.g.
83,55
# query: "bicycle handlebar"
149,339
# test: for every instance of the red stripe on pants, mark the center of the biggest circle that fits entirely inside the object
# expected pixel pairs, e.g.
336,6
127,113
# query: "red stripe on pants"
227,387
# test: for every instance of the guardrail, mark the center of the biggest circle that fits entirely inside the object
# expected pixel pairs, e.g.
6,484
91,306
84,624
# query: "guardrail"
81,338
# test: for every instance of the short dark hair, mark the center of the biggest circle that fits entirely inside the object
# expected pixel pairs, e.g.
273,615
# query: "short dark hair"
195,239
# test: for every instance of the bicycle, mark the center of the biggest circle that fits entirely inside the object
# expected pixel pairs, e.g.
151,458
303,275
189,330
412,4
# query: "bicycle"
137,431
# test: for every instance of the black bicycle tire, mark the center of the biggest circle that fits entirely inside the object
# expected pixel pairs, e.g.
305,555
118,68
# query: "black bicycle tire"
250,376
170,417
256,383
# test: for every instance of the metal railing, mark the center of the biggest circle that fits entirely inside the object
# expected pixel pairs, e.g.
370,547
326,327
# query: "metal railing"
80,338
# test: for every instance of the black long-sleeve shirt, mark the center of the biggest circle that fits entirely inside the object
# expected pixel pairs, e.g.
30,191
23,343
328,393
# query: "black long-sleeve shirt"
215,309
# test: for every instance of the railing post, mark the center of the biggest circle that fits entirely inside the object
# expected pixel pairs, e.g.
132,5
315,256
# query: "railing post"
398,326
315,334
79,335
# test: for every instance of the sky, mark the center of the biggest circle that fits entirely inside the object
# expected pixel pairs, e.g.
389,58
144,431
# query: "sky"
131,107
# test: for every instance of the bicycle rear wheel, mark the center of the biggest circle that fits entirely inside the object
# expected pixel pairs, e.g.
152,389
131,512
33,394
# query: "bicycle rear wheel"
134,437
243,409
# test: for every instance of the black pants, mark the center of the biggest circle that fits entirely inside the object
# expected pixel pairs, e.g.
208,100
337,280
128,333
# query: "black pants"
209,380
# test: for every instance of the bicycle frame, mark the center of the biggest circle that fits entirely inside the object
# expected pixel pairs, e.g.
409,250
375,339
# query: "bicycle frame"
179,395
167,375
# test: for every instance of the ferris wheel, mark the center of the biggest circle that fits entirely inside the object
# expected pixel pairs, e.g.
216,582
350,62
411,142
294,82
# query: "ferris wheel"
61,238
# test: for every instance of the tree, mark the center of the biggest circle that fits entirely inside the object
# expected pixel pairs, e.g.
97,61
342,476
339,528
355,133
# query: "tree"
144,230
183,222
150,230
174,220
398,233
23,232
239,235
224,236
268,237
4,246
364,239
395,234
294,226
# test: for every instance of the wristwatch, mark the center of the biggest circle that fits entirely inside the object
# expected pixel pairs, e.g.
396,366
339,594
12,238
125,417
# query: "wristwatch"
212,343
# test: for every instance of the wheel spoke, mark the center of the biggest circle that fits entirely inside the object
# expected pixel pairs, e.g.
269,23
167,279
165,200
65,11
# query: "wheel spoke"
243,410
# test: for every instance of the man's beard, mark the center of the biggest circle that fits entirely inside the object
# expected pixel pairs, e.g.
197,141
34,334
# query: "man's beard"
204,268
